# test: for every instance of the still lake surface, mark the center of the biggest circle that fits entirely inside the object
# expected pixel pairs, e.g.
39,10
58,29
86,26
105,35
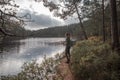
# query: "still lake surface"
13,53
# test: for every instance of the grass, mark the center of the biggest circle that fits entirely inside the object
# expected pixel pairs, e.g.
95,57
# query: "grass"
95,60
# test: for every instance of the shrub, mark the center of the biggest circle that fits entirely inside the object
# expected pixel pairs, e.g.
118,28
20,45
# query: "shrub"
94,60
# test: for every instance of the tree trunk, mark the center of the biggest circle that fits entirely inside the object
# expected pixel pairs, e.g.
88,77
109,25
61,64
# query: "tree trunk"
114,26
103,22
1,27
81,24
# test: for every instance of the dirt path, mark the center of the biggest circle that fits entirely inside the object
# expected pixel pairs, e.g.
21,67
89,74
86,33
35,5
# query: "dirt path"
64,70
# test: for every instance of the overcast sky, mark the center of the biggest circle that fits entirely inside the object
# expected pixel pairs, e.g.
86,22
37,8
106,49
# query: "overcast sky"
41,15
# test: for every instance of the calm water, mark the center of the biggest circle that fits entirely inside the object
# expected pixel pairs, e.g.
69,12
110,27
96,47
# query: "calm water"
14,53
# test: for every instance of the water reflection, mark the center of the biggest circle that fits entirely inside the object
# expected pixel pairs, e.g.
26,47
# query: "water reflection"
15,52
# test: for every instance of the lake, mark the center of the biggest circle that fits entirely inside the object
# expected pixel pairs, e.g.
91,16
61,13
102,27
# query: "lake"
13,53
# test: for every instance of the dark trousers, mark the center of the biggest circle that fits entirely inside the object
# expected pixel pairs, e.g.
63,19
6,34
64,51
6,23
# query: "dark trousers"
67,53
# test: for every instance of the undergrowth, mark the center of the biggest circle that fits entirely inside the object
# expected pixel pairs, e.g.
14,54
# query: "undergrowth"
94,60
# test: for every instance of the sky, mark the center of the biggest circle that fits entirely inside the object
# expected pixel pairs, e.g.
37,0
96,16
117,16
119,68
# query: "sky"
41,15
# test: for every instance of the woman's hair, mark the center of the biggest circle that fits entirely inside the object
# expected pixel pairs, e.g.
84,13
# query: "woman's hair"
67,34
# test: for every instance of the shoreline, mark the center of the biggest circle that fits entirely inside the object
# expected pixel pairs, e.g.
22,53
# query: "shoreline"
51,68
15,54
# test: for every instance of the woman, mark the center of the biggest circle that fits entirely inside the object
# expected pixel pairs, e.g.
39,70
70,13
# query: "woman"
68,45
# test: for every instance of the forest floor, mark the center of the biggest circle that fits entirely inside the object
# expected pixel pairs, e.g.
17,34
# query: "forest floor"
64,70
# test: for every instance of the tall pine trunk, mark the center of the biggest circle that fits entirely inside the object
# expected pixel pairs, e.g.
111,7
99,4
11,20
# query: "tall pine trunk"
81,24
114,26
103,22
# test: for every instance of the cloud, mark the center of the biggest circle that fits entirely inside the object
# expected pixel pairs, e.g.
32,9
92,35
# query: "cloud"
40,20
44,20
41,15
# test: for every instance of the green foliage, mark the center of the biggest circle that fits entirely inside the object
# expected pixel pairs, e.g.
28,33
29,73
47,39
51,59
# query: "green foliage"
94,60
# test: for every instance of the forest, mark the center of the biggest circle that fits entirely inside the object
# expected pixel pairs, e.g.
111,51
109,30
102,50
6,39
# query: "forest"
96,53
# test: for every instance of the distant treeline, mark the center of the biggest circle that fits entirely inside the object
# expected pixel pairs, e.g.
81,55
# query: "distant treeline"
58,31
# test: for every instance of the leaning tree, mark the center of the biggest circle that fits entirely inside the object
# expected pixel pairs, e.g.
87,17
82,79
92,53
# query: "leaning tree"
8,10
8,16
65,9
84,9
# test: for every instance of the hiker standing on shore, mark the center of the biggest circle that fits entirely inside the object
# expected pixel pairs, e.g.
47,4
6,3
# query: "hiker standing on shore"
68,45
